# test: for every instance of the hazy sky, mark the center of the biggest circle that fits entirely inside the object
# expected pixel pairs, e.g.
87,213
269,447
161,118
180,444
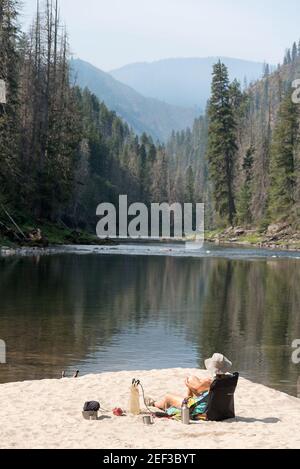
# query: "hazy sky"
112,33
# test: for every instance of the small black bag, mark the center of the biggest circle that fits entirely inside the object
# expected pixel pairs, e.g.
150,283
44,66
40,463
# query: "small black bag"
91,406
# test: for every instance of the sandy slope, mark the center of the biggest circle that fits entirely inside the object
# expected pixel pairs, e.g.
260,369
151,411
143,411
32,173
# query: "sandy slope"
47,414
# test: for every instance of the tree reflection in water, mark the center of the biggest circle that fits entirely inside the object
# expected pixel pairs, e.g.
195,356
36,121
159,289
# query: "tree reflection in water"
71,310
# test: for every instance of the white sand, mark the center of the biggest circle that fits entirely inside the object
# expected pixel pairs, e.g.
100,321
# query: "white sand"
47,414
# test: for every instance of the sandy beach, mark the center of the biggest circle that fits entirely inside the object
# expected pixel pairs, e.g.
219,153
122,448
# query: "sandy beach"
47,414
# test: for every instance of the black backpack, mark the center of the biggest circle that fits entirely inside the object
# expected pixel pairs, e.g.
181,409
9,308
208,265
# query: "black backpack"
220,405
91,406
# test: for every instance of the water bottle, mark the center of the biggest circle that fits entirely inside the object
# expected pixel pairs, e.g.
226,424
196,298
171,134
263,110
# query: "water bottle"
134,400
185,413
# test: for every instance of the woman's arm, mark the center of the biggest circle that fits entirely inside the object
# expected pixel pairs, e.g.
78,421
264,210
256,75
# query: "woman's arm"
196,385
191,390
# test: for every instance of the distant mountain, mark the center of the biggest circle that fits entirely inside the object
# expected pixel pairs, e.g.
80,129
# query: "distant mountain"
149,115
182,82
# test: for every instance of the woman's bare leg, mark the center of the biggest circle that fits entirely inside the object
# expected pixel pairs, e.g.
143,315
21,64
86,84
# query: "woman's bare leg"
170,400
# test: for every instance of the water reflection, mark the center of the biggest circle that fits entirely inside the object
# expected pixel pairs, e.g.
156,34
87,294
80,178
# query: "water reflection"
116,312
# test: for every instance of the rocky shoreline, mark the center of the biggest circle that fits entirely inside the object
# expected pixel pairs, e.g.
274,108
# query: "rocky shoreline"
6,251
278,236
24,251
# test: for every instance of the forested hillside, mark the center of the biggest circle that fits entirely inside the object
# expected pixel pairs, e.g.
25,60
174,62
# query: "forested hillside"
244,152
266,178
62,152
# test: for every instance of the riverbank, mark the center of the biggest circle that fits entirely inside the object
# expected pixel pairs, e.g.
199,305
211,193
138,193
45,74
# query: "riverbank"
47,414
43,237
48,237
278,236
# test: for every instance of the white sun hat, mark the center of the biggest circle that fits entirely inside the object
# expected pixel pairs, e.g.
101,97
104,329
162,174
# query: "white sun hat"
218,364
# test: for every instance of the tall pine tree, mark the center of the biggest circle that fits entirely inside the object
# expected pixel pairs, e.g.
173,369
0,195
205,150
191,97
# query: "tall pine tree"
245,195
222,144
285,139
294,52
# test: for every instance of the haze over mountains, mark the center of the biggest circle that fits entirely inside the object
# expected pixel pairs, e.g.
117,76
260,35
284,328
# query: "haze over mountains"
149,115
161,96
183,81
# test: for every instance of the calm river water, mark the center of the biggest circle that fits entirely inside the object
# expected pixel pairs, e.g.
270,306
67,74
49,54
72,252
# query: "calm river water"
145,307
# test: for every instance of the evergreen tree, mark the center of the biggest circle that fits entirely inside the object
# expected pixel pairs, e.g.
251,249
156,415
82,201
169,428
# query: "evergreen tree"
245,196
160,183
50,124
152,153
190,186
178,189
9,112
143,174
285,139
222,144
287,57
266,70
294,52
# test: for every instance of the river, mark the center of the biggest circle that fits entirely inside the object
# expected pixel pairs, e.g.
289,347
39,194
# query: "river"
149,307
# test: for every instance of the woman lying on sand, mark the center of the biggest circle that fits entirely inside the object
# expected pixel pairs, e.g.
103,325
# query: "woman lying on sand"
198,388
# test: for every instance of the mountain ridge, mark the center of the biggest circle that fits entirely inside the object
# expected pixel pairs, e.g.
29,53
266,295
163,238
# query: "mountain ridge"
143,114
165,79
